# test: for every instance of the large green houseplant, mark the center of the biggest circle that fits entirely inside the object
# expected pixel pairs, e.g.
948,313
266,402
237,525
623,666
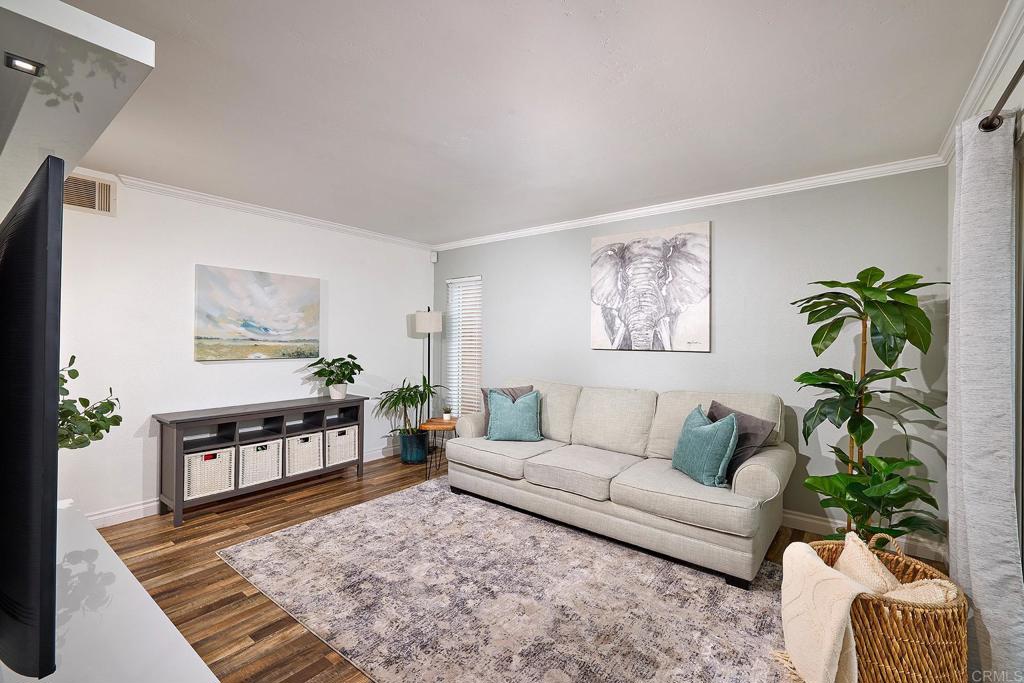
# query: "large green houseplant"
877,494
81,421
406,406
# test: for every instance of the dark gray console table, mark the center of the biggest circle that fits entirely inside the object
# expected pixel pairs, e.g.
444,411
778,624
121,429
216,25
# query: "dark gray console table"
215,454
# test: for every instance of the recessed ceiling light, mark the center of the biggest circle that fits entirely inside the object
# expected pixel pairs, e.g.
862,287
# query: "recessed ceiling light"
21,64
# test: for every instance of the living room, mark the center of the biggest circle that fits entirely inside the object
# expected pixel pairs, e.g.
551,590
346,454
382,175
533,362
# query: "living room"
485,341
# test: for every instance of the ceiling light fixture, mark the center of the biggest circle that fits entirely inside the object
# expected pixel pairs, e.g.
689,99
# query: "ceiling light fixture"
23,65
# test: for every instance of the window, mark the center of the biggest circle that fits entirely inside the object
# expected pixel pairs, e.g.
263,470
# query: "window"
464,347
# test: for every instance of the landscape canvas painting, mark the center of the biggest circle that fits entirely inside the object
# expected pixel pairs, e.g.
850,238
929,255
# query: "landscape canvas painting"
251,315
651,291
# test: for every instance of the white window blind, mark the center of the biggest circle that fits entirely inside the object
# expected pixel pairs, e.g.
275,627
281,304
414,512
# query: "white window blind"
464,348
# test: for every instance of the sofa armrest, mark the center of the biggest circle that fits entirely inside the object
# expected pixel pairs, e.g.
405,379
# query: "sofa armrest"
765,475
471,425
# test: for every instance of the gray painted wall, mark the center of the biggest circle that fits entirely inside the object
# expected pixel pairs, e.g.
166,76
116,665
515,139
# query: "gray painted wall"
764,252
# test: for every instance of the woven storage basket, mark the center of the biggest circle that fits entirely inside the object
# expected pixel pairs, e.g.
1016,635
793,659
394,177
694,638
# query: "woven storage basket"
900,642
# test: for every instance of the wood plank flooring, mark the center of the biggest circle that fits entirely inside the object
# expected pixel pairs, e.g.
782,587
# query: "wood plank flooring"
238,632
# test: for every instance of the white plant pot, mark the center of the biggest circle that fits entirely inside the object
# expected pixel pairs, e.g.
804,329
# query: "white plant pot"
338,390
446,416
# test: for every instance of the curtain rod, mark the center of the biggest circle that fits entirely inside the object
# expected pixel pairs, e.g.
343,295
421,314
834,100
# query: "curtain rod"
994,120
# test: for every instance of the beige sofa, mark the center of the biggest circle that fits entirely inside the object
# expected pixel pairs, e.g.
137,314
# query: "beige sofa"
605,465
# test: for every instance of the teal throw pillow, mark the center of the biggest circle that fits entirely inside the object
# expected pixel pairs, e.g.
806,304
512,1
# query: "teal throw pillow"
705,448
517,420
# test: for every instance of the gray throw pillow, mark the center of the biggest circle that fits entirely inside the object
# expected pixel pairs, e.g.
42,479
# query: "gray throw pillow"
753,432
512,392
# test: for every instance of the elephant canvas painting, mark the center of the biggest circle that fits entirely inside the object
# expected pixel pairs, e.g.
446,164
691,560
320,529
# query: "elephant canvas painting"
651,291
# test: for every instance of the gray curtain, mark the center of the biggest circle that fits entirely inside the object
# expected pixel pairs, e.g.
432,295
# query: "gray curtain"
984,542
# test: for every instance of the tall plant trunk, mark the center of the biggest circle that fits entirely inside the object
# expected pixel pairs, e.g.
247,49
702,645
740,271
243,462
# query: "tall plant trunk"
859,410
863,371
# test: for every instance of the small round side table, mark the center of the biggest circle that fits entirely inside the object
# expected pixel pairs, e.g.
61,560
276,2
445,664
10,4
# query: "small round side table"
439,433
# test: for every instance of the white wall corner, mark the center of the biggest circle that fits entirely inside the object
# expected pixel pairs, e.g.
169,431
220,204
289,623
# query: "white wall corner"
1001,47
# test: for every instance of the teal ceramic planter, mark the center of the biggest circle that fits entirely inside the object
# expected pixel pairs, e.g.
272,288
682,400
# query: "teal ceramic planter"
414,447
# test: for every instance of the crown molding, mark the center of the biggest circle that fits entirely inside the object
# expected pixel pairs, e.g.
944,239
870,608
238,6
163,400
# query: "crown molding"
1000,48
838,178
144,185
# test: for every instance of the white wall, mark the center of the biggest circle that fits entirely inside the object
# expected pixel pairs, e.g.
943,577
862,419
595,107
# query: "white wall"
128,311
536,313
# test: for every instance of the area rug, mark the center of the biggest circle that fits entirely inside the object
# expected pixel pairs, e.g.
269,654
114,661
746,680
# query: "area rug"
426,585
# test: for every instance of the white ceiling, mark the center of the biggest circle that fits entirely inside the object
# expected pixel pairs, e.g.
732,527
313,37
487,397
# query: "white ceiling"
440,121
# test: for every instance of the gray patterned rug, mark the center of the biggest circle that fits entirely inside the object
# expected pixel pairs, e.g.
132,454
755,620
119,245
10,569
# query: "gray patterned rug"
424,585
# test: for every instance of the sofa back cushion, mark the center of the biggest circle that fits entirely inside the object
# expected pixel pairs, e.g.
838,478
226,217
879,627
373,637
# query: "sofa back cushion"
615,419
674,406
557,407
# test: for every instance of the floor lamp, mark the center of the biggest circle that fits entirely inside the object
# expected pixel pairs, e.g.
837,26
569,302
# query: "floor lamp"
427,322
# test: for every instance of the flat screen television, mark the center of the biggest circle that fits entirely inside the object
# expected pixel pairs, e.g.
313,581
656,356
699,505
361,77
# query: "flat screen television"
30,244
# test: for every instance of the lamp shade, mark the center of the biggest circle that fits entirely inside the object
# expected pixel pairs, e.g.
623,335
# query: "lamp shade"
427,322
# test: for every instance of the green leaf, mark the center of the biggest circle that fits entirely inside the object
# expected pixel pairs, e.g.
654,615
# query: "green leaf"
928,409
886,488
84,401
73,374
877,375
828,375
860,428
828,283
874,293
920,523
918,326
870,276
814,417
886,316
839,410
887,347
826,334
902,282
903,298
824,313
920,285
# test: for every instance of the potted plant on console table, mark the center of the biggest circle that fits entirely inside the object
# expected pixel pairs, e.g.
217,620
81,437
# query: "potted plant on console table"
337,373
406,404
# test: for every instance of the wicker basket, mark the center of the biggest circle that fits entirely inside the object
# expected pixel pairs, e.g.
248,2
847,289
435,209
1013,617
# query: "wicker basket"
900,642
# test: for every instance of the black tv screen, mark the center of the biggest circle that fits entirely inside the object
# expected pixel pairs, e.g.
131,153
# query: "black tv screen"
30,242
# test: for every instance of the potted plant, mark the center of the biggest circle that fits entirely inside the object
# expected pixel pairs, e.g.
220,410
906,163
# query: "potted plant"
446,412
405,405
337,373
877,494
81,421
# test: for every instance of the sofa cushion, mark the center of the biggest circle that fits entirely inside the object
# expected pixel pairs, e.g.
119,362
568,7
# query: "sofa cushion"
654,486
582,470
674,406
504,458
615,419
557,407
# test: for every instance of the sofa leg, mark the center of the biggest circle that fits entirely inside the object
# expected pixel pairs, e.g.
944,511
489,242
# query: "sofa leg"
454,489
737,582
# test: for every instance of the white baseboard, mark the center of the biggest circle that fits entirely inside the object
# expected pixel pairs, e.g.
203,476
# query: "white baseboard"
930,548
145,508
124,513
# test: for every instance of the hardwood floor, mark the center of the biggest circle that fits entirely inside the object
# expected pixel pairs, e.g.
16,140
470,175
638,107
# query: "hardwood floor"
238,632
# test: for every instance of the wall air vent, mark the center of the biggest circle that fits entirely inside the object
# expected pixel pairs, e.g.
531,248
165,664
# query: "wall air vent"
90,194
